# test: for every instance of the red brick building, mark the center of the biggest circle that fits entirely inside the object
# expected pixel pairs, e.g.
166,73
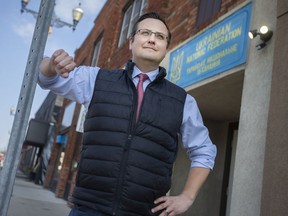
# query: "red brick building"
234,102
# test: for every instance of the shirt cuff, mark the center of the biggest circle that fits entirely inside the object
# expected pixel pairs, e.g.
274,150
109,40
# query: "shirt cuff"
46,81
209,164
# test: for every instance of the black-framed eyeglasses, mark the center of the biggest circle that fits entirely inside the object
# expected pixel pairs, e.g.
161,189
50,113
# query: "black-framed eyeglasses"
147,33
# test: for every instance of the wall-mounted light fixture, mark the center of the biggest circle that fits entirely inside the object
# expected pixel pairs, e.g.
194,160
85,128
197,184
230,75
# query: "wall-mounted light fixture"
264,33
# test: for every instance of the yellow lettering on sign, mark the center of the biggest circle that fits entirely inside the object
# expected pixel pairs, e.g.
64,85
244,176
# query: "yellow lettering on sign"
224,38
211,62
207,67
222,54
195,67
218,37
195,56
215,35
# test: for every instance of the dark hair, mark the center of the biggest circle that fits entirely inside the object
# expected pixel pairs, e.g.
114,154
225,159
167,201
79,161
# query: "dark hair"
152,15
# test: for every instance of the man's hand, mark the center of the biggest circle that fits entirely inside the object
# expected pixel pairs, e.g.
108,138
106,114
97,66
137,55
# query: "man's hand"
175,205
172,205
60,63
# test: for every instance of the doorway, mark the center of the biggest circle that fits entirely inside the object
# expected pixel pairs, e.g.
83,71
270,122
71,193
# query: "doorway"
228,168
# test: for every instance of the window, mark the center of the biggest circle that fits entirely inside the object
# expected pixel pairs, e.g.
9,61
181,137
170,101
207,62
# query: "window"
96,52
133,12
207,9
68,115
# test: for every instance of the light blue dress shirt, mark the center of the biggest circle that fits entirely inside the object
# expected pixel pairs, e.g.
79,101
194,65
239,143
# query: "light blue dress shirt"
79,87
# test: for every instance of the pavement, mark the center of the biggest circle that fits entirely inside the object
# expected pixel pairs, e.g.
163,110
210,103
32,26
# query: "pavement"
29,199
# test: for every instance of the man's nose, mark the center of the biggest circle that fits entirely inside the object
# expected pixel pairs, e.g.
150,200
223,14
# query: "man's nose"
152,38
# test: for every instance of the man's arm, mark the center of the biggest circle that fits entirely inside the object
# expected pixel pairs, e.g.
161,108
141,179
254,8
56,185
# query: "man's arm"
74,83
60,63
197,176
202,153
175,205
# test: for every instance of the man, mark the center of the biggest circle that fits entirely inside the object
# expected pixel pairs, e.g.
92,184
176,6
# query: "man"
129,145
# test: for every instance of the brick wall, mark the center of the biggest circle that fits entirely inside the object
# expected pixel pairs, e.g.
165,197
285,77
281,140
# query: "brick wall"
64,176
53,160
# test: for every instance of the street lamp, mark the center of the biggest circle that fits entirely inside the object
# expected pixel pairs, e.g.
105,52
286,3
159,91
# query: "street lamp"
12,111
77,14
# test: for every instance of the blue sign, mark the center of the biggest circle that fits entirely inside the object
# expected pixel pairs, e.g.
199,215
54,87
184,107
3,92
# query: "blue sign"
218,49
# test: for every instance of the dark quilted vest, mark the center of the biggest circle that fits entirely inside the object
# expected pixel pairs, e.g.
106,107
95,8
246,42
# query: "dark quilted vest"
126,165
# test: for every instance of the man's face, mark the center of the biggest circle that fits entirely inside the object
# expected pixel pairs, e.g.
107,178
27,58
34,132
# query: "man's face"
149,47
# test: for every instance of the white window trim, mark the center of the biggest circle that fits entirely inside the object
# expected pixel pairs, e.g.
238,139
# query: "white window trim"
124,37
95,57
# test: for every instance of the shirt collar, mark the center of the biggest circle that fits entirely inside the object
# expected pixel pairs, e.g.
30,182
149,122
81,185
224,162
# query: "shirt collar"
152,74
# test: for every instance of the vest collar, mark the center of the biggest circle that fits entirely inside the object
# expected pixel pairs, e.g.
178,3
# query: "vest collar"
130,67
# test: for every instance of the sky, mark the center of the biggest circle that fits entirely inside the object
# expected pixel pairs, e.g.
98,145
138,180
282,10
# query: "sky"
15,40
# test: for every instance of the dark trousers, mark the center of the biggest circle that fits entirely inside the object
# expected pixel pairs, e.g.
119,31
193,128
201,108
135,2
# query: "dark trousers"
82,211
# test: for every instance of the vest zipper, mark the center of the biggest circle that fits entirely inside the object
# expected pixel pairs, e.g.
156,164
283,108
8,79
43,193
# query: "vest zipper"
126,147
122,173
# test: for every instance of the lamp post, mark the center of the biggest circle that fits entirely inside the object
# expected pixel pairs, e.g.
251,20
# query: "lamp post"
25,100
77,14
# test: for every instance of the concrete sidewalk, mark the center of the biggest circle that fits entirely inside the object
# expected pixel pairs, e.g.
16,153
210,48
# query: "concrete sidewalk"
29,199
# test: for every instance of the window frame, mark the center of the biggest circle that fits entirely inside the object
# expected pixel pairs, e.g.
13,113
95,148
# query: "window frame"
206,12
95,55
129,18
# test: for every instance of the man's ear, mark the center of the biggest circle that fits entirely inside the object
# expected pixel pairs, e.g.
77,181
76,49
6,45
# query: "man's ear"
131,40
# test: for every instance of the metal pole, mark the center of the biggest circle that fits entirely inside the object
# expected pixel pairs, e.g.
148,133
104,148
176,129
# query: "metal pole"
24,105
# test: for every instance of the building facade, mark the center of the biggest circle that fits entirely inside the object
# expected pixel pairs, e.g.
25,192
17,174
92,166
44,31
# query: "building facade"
240,86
